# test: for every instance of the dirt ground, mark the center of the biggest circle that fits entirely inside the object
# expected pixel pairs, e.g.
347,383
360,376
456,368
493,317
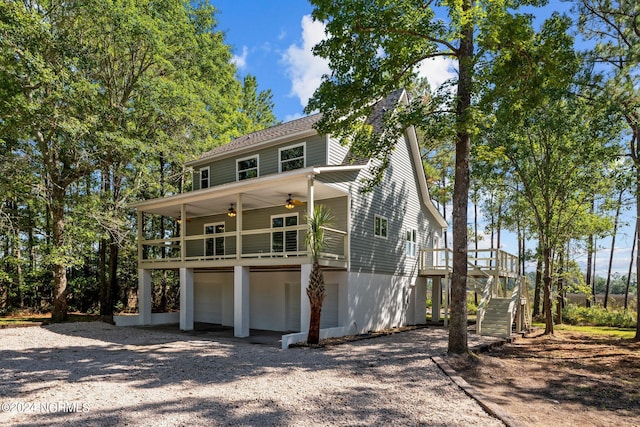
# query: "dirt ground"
570,379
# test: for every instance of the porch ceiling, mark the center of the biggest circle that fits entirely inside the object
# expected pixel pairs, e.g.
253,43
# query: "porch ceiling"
257,194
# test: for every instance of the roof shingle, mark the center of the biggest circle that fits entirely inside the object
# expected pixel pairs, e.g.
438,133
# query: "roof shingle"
301,125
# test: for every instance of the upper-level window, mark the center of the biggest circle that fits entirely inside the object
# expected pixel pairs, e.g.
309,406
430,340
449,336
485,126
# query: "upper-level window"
380,226
411,242
204,177
291,157
247,168
214,246
283,237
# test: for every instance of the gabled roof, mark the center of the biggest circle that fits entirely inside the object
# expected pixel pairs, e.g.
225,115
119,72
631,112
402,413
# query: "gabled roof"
298,126
304,124
376,118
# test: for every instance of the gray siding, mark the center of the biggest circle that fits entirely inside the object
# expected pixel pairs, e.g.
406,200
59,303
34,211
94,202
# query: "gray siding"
223,171
398,199
195,226
337,152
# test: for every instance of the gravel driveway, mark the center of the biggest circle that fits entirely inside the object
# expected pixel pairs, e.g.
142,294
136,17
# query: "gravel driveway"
94,374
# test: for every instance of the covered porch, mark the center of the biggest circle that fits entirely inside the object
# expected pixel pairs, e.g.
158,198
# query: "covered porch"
256,222
248,239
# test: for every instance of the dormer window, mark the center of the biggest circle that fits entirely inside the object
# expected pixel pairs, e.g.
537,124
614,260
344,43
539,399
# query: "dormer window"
247,168
292,157
204,177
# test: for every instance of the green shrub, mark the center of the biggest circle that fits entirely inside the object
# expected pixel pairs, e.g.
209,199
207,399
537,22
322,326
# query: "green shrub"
472,308
598,316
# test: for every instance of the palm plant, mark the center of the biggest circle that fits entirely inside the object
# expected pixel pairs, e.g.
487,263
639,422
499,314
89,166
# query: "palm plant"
315,240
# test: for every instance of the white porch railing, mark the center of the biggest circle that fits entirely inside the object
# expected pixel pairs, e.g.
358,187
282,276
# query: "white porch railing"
256,244
484,261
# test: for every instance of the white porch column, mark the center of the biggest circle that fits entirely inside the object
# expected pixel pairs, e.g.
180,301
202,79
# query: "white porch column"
186,299
183,231
436,292
140,236
305,307
420,302
310,195
239,226
241,301
144,296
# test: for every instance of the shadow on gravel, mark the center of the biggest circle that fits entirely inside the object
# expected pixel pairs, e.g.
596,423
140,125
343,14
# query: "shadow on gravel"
152,359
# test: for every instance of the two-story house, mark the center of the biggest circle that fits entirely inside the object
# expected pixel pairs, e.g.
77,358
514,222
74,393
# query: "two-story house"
241,252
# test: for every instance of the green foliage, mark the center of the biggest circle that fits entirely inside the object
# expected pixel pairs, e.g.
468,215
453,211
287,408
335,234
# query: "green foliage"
598,316
314,239
102,102
472,308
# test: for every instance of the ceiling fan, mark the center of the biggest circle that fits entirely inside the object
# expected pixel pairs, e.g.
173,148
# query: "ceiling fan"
292,203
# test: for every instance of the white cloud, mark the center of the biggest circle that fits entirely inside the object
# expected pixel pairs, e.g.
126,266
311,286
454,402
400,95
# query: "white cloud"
241,61
437,70
304,69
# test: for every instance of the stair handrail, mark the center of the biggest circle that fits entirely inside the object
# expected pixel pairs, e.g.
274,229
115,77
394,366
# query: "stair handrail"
526,307
484,301
514,303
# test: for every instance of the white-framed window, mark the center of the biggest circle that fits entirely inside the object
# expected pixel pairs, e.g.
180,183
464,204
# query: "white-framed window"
292,157
214,246
380,226
247,167
283,238
204,177
411,241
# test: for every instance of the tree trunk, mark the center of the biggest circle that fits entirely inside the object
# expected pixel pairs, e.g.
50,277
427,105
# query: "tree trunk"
637,337
458,325
593,272
16,243
315,292
102,271
105,294
538,285
613,245
633,248
589,261
112,286
546,303
59,309
560,300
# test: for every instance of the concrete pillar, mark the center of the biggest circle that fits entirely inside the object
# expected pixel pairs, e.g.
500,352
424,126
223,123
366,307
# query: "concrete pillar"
447,283
436,292
241,301
144,296
420,301
186,299
305,307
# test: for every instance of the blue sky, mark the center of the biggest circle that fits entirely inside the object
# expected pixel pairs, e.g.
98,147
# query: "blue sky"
272,40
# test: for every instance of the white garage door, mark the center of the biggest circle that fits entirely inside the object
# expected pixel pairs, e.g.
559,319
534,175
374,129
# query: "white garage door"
207,300
329,315
292,314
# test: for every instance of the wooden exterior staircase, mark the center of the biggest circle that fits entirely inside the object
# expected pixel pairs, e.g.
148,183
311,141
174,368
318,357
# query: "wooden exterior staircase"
496,320
500,316
504,307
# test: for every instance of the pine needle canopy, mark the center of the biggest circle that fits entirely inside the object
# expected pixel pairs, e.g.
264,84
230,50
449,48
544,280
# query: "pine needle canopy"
315,237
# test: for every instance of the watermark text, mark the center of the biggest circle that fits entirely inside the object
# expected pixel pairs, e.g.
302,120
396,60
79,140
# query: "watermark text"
43,407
